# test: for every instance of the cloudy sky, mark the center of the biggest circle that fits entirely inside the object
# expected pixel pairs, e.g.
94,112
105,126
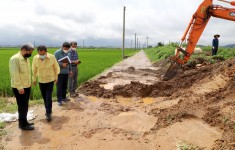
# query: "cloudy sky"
99,22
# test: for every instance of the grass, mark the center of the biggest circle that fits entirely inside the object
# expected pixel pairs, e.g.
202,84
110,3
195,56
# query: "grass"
162,52
7,106
94,61
226,53
183,145
2,125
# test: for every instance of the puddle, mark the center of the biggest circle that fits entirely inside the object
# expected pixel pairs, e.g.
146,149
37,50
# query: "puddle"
121,78
157,102
133,121
111,83
125,101
148,100
92,98
167,103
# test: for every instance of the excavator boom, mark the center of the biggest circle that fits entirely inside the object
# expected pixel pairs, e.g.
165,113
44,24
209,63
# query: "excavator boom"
194,30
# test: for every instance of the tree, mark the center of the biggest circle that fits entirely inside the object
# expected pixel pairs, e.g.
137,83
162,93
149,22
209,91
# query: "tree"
160,44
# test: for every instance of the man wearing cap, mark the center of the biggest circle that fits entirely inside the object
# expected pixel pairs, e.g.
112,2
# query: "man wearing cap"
19,67
215,44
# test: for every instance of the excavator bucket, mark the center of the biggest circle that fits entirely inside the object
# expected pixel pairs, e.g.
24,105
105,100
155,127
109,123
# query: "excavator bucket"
172,71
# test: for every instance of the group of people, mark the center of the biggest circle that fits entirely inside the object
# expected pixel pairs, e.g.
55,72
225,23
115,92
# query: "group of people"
47,70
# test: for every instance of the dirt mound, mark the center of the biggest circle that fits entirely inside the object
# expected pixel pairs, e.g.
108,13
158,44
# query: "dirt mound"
158,89
93,88
213,105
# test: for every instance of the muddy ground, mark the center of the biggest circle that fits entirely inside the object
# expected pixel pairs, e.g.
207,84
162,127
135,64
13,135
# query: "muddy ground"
129,107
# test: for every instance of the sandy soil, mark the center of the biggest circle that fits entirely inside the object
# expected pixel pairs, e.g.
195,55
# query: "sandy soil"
129,107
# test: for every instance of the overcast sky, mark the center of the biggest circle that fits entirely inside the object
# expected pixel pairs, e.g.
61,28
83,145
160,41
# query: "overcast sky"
99,22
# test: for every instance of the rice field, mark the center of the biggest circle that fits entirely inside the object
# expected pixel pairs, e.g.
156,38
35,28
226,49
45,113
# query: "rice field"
94,61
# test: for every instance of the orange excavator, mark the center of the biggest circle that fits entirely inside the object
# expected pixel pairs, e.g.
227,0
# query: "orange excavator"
194,30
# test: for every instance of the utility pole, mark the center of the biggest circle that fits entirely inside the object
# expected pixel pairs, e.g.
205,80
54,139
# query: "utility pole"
83,44
135,41
123,38
131,43
147,41
137,44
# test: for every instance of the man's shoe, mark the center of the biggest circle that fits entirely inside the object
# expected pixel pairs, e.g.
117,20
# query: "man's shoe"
28,127
30,123
65,100
60,103
48,117
73,95
77,94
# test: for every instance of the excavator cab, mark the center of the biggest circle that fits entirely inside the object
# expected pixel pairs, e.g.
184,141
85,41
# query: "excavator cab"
194,30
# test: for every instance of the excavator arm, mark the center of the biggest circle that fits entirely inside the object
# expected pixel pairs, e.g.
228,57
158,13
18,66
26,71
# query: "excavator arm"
194,30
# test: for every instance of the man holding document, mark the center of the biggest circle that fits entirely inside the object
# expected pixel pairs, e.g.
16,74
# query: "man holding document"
65,71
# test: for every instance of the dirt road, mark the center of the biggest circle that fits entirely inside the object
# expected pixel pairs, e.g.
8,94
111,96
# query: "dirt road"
128,107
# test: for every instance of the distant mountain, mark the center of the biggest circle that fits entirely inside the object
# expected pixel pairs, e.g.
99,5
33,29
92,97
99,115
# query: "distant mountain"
200,46
226,46
229,46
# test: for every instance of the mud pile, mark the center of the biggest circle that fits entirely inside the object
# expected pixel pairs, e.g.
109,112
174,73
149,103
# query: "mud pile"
158,89
93,88
215,106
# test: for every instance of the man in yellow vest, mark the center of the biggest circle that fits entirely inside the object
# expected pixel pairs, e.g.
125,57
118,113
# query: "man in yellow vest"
19,67
46,68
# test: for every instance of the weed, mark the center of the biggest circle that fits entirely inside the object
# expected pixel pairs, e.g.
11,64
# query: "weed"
2,131
2,125
6,106
226,119
184,145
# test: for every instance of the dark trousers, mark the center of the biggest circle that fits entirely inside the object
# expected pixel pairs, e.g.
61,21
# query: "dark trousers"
46,91
73,81
214,51
23,105
62,86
